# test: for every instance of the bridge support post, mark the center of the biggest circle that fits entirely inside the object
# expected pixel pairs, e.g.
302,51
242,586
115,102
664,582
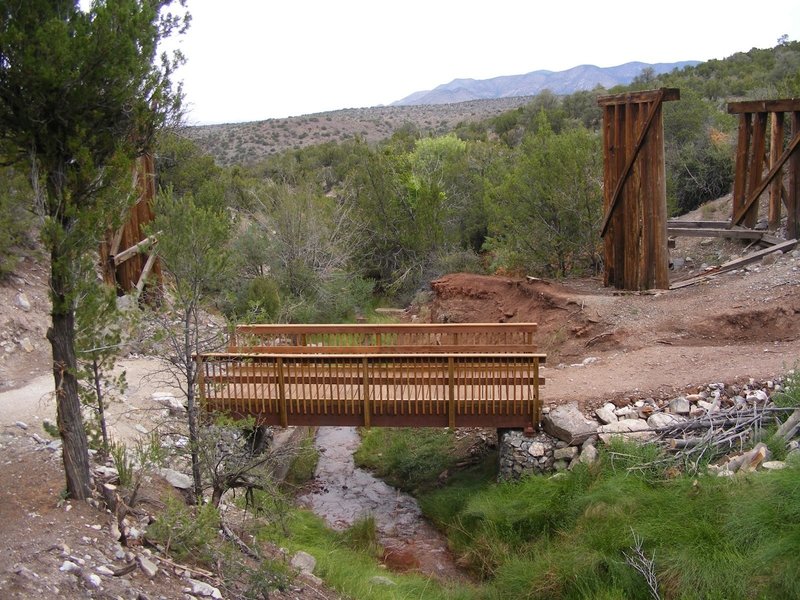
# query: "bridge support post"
284,416
365,367
451,400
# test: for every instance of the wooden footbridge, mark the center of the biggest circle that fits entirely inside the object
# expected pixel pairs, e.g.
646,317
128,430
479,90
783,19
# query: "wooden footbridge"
409,375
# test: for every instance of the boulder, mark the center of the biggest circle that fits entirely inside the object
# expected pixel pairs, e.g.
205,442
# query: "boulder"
201,588
21,302
303,562
636,429
177,479
567,453
680,406
589,455
567,423
606,414
660,419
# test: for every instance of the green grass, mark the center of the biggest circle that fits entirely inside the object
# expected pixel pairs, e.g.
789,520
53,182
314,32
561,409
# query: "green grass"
406,458
565,537
301,470
350,570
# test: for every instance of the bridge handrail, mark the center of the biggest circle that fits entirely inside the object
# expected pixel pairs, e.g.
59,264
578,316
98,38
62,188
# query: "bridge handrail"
445,388
385,338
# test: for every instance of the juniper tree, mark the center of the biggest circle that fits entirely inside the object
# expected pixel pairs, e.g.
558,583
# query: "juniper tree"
81,93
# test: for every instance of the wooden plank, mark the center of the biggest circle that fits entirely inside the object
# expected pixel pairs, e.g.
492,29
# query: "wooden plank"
284,414
387,350
451,393
738,234
133,250
776,188
756,106
754,170
665,94
793,195
738,217
742,152
631,159
735,264
405,328
697,224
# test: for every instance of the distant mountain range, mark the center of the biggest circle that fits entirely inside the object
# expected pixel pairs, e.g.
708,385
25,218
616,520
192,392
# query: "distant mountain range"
583,77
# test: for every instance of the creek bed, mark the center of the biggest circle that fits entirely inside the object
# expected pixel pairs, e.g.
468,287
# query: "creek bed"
344,494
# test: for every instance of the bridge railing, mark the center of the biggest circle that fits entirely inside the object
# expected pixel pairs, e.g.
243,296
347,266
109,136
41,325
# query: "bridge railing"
385,339
372,389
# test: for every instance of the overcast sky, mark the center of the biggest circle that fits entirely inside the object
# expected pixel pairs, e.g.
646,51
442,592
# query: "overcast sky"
257,59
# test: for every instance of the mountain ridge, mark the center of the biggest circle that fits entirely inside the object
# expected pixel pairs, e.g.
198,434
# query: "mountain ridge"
581,77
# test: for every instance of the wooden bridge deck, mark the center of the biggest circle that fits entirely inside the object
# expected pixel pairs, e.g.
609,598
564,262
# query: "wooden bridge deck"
378,384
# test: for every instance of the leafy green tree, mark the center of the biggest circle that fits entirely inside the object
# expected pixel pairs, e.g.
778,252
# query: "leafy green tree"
193,248
15,218
97,341
80,92
547,204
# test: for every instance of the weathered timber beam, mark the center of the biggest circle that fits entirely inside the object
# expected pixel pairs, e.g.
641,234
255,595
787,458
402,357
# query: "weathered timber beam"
755,106
739,216
734,264
148,266
656,102
698,224
746,234
133,250
666,95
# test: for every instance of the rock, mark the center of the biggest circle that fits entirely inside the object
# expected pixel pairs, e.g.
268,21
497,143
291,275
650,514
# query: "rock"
147,566
22,425
589,360
606,414
537,449
708,406
170,402
757,396
680,406
660,419
177,479
303,562
92,581
773,465
141,429
201,588
589,455
104,570
567,453
567,423
26,345
560,465
69,567
21,302
381,580
628,428
626,412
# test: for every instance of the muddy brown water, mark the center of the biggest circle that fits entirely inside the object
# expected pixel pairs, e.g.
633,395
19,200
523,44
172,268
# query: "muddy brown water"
344,494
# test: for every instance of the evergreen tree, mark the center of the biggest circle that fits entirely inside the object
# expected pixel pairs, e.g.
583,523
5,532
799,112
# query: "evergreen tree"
81,92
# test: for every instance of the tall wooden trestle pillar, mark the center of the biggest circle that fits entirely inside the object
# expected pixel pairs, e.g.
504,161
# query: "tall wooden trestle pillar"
634,228
751,161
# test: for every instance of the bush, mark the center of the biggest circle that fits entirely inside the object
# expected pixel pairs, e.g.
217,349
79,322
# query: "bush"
186,531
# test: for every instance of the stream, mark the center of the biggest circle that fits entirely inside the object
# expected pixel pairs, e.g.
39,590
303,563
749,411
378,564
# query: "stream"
346,493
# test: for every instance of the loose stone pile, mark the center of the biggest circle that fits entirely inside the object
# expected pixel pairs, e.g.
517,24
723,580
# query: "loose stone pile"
569,436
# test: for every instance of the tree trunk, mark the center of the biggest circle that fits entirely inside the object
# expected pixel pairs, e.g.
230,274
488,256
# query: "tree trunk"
68,406
101,409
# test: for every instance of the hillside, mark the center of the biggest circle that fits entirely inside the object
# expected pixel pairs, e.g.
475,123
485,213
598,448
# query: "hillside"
247,143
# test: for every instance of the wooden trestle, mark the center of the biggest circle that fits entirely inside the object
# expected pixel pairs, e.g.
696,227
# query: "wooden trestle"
452,375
